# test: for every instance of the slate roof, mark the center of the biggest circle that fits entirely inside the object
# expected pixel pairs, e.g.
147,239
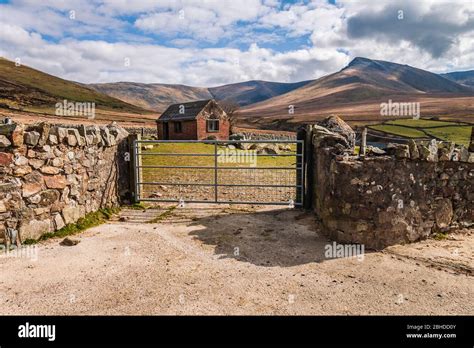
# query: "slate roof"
191,110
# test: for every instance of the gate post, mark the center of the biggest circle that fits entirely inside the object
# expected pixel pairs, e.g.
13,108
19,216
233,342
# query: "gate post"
306,163
309,168
300,173
135,161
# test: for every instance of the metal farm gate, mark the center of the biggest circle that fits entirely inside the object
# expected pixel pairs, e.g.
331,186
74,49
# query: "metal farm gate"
214,171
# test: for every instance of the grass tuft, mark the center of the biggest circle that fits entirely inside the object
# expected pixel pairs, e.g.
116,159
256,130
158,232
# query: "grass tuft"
440,236
139,206
163,215
90,220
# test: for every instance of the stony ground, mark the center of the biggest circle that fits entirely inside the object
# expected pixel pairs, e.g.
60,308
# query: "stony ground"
244,260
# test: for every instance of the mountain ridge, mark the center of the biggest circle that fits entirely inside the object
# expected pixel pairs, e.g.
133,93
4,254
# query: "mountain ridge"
404,79
353,91
158,96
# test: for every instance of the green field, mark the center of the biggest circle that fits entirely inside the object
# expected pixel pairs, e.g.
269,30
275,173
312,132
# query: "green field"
200,148
399,130
458,135
457,132
423,123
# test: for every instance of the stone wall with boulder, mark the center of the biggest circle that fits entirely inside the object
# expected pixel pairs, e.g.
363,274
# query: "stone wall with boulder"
403,194
52,175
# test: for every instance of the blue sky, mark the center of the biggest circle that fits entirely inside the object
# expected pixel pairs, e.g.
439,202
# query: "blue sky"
213,42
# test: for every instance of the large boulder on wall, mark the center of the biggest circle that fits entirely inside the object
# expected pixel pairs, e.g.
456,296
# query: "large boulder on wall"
337,125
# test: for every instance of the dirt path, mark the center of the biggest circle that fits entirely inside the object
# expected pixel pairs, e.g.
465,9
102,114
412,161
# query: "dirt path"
233,261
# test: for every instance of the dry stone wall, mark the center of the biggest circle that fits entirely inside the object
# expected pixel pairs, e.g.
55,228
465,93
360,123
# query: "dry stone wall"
247,134
402,195
52,175
148,132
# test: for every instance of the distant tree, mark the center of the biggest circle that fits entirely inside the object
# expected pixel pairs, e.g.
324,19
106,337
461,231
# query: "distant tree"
231,108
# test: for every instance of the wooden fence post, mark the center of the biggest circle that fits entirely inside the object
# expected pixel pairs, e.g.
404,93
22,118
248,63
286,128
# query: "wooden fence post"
471,144
363,144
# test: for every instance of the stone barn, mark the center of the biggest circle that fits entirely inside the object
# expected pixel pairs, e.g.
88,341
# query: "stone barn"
197,120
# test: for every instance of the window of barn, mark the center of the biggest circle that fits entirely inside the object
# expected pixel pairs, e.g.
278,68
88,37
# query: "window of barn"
212,125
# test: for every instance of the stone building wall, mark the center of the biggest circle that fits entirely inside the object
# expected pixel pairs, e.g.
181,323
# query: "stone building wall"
51,176
188,130
400,196
202,130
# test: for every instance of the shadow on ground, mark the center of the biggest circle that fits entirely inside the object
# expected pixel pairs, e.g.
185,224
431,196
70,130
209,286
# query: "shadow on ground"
283,237
263,236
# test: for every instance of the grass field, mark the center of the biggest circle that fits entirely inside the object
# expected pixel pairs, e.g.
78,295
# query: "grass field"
457,132
200,148
399,130
423,123
459,135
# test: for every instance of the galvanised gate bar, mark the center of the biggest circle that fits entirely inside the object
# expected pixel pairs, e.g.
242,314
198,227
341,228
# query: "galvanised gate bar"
219,171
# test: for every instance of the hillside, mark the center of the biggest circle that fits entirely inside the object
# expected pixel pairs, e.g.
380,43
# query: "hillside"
24,88
463,77
356,92
152,96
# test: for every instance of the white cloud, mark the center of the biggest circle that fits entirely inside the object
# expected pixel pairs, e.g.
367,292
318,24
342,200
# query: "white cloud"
302,19
190,56
58,18
100,61
208,20
202,23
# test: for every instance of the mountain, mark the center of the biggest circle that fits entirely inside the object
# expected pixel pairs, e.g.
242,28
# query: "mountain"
157,96
250,92
152,96
395,77
357,91
24,88
463,77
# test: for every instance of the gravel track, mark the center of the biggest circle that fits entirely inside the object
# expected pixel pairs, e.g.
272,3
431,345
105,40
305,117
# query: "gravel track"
189,263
